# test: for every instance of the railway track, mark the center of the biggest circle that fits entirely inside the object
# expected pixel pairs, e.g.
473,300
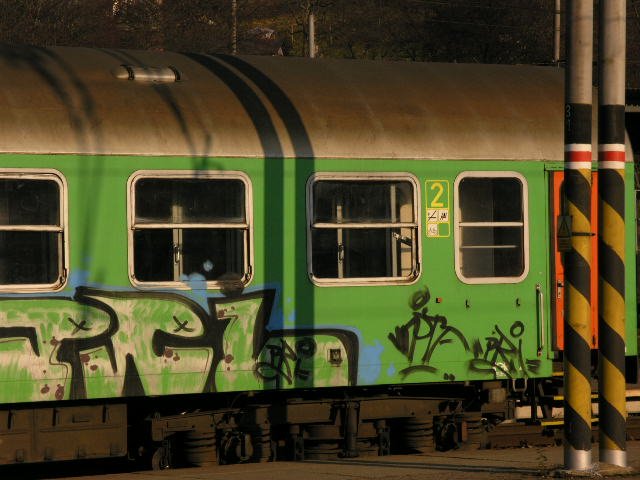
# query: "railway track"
502,436
518,435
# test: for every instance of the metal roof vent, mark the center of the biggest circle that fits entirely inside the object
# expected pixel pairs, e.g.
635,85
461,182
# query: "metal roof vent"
147,74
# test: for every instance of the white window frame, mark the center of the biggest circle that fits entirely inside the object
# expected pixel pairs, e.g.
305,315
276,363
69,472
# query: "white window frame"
458,225
188,175
360,176
62,228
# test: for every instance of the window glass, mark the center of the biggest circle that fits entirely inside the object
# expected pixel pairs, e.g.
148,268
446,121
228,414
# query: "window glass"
169,200
490,200
29,202
363,229
29,258
491,227
31,233
153,255
361,201
190,229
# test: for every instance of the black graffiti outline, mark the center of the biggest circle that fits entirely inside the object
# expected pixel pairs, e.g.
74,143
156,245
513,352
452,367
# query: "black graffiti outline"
502,355
406,337
22,332
347,338
182,326
78,325
161,340
262,335
68,350
279,357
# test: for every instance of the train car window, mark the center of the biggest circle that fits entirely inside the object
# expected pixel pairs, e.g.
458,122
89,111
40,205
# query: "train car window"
190,228
491,227
363,229
32,231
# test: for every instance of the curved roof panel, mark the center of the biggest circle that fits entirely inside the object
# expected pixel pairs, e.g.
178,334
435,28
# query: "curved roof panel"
80,100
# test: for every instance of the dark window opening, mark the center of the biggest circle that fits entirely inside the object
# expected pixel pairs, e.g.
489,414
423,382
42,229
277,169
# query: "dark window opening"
31,232
190,229
491,227
363,229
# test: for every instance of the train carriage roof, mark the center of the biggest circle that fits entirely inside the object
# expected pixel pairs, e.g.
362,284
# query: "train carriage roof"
101,101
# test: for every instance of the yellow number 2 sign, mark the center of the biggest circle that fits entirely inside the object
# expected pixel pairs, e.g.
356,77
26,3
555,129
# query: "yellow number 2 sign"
438,218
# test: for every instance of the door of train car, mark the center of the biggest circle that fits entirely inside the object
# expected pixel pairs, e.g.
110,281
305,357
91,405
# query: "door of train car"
559,229
500,262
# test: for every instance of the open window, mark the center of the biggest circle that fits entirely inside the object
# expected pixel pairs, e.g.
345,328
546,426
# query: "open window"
32,231
363,228
491,227
189,227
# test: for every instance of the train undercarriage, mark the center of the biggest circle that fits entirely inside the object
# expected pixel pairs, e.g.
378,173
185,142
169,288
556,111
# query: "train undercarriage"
269,426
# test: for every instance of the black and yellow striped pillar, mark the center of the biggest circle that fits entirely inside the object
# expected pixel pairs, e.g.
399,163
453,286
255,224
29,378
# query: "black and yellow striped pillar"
611,241
577,328
577,175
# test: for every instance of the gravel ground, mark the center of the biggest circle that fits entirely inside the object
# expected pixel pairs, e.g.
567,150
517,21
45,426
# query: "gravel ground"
505,464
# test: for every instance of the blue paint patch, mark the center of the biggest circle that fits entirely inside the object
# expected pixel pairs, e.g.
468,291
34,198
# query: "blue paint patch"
196,281
391,371
291,319
198,285
370,363
78,278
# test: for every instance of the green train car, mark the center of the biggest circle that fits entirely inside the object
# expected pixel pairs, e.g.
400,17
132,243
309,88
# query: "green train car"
218,259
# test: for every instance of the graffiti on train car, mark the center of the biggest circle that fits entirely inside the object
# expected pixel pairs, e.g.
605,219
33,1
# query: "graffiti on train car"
500,356
285,362
103,343
424,331
257,357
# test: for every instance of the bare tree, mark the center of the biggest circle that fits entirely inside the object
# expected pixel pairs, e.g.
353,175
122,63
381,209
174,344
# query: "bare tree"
50,22
488,31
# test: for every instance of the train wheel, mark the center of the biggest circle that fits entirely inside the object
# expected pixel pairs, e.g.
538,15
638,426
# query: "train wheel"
161,458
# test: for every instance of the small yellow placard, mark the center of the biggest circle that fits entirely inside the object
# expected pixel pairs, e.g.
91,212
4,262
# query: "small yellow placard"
438,213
